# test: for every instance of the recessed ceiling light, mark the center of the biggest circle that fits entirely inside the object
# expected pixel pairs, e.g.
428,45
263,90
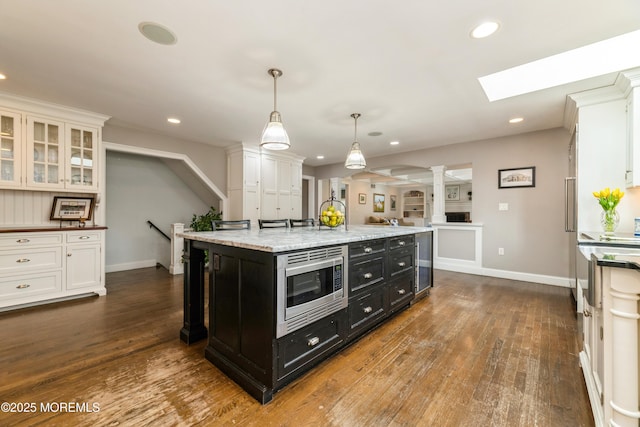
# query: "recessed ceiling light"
173,120
516,120
485,29
376,133
394,143
319,157
2,76
621,53
157,33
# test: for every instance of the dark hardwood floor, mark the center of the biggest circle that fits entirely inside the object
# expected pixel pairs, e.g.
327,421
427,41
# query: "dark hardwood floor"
477,352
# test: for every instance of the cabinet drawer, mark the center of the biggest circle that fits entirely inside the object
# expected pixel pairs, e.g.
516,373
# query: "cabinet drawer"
400,261
365,272
24,240
401,291
83,237
299,348
365,310
368,247
30,285
401,242
32,259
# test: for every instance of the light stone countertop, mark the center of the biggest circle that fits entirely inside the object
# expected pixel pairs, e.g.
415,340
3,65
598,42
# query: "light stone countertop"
282,240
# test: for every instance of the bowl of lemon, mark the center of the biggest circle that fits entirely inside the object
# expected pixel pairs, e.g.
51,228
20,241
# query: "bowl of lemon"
331,217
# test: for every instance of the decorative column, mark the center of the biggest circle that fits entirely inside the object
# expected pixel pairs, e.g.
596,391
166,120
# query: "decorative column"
438,194
621,389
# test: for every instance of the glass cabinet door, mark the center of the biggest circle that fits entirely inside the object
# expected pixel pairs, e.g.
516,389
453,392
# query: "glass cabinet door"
44,153
10,150
81,157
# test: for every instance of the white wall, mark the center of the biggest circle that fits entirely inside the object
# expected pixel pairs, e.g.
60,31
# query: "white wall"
140,188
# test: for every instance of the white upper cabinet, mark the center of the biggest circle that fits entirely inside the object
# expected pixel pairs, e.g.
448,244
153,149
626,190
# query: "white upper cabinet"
48,147
632,175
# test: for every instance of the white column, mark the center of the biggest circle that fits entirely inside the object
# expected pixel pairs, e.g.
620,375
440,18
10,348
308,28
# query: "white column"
177,247
621,390
438,194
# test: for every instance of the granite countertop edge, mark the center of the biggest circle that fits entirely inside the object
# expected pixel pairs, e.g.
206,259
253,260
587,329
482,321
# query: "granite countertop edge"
283,240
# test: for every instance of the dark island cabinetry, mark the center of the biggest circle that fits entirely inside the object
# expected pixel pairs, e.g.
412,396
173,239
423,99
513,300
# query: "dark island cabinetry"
245,299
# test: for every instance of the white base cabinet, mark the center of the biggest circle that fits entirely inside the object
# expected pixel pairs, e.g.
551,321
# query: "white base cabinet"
41,266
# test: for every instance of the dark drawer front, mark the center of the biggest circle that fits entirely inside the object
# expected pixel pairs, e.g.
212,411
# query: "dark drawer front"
401,242
366,310
306,345
365,272
401,260
401,291
369,247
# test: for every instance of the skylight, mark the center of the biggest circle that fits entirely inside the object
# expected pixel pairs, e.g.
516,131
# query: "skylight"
607,56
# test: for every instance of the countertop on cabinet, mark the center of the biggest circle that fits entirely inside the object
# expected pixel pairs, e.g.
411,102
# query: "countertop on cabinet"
41,228
288,239
598,238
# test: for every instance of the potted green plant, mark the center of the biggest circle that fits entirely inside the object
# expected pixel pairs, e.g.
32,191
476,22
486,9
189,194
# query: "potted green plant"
203,222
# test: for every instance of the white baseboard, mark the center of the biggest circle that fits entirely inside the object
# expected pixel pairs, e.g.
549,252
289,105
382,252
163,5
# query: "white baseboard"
564,282
130,265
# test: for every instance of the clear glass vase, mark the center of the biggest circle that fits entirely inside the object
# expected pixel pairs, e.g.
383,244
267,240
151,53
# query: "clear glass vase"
609,220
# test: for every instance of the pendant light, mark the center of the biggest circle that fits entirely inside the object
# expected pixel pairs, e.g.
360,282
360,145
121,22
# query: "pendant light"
355,159
274,137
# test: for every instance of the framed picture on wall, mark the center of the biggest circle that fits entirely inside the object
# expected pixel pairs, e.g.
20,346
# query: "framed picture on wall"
518,177
392,202
452,192
362,198
72,208
378,202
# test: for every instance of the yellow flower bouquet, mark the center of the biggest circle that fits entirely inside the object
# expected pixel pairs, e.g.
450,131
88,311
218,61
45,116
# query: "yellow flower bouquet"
609,200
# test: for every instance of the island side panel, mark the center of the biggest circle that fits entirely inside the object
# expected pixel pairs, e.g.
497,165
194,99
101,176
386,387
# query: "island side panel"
242,318
193,328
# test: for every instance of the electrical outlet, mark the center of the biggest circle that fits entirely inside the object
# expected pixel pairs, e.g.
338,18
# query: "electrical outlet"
503,206
500,251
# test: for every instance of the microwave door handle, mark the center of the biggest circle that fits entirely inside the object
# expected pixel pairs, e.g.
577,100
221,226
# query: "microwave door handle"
306,268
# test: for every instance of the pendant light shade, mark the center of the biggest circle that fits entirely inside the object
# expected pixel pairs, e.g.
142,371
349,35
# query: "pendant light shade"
355,159
274,136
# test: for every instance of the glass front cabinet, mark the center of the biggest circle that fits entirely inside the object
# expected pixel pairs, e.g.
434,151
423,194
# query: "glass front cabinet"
10,149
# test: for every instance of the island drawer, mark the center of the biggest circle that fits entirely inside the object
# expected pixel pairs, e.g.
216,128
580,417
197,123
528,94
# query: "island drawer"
369,247
25,286
365,272
84,237
366,310
401,291
401,242
30,259
308,344
401,260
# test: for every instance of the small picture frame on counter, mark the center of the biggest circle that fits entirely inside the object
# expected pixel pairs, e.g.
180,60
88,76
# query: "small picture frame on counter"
72,208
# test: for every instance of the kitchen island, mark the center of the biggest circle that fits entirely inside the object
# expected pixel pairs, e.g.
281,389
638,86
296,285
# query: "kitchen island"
249,338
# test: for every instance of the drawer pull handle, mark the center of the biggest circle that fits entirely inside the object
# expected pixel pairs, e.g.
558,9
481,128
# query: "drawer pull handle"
367,275
586,313
401,292
312,342
402,264
22,260
23,286
23,241
368,309
401,243
84,237
367,250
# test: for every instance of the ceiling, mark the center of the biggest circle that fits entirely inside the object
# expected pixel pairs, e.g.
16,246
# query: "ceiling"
409,68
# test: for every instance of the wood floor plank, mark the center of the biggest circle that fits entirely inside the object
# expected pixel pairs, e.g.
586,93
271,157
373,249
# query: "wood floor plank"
478,351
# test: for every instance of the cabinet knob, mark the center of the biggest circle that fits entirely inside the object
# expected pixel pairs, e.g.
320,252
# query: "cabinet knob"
586,313
367,250
401,292
69,255
402,264
401,243
23,260
367,309
23,286
311,342
367,275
